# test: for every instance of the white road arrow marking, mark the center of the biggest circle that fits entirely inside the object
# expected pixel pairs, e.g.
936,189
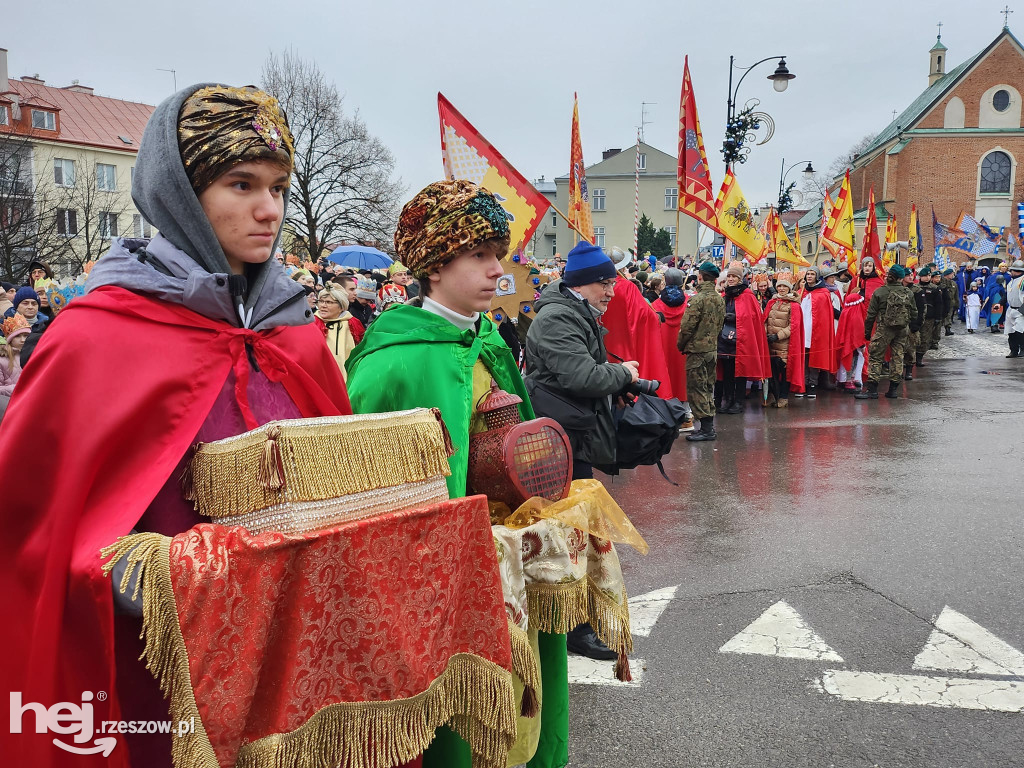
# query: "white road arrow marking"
958,644
990,695
646,609
584,671
781,631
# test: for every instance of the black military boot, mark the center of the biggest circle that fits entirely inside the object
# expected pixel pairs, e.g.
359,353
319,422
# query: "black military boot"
919,360
871,393
908,373
706,431
949,330
894,390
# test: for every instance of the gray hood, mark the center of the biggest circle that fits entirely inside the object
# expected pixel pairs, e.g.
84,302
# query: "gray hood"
185,263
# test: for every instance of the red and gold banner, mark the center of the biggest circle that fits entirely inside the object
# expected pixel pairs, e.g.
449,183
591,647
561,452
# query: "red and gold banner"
735,220
870,248
839,226
468,155
696,194
579,198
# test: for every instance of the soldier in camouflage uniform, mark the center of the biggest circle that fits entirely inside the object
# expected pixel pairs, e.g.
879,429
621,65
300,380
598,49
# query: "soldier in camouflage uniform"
948,284
932,307
698,340
914,339
942,309
892,307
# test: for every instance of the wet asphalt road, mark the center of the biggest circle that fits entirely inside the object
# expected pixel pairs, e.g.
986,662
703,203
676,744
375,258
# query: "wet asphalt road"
868,518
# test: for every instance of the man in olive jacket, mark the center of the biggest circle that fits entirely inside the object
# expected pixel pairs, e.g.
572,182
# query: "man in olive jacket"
567,360
698,339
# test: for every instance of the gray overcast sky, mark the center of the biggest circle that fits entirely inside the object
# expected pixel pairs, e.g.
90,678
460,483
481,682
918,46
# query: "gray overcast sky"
512,67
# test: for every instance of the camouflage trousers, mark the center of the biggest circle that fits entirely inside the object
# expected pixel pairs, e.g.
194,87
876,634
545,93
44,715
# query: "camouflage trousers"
913,342
927,336
700,383
895,338
937,332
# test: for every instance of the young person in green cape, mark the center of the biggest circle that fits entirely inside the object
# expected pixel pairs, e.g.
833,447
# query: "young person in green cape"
442,351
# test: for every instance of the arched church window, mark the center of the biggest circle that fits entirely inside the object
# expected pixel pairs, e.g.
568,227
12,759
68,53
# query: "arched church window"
1001,100
995,173
938,65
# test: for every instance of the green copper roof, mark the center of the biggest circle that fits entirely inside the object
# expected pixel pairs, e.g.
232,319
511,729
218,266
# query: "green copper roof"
938,44
931,95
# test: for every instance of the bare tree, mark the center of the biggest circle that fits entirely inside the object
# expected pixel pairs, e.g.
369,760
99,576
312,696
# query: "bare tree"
814,188
342,185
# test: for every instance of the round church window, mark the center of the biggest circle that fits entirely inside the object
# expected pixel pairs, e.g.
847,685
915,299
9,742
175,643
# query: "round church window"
995,173
1001,101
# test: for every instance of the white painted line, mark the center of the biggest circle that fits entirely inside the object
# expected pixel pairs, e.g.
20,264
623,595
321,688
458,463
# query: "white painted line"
781,631
877,687
646,609
584,671
960,645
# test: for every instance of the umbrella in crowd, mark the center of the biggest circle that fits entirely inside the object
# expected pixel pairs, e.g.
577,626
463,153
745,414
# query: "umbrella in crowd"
360,257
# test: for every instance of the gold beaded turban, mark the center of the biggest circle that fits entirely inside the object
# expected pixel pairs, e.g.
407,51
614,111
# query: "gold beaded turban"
220,127
444,218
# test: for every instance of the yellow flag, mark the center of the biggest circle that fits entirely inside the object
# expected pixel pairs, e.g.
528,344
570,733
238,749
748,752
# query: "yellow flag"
735,220
891,236
839,226
914,238
784,250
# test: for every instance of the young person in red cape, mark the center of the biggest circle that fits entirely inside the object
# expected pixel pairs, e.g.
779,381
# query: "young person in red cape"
634,329
670,304
820,316
441,350
204,337
742,344
784,325
850,334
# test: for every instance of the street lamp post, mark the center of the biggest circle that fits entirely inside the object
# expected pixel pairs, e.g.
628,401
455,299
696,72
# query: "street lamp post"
808,172
736,130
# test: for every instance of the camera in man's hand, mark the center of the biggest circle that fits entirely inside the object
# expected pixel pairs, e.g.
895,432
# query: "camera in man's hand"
640,387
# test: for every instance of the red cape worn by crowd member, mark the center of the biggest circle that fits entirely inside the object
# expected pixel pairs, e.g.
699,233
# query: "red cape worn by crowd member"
823,332
795,371
674,359
634,333
107,453
752,361
850,334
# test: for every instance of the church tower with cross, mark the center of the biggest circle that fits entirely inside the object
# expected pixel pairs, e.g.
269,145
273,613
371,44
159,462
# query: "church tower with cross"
958,147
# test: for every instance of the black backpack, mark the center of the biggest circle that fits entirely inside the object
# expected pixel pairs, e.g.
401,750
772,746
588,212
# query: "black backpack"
644,433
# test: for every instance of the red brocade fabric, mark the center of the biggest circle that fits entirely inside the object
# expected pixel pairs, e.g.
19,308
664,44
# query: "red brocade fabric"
278,627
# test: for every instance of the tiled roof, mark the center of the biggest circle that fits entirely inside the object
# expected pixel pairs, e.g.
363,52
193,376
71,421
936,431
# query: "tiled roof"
96,121
930,97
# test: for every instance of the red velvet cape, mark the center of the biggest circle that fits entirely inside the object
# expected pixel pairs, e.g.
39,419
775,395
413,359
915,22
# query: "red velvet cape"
109,403
634,333
795,372
850,335
752,360
823,332
674,359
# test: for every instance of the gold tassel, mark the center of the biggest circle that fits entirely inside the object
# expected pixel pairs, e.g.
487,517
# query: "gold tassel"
187,482
271,468
622,670
449,446
525,665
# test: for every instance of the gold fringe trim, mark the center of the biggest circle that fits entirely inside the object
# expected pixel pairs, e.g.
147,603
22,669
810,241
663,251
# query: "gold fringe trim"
298,460
473,696
165,653
527,668
558,608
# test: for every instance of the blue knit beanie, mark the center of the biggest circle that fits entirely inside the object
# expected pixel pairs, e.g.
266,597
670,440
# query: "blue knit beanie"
25,293
587,264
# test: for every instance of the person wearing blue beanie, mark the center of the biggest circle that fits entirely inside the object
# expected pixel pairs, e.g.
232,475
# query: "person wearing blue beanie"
587,264
26,303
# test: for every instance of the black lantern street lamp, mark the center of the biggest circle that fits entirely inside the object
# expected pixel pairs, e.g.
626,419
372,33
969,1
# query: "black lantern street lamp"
785,199
740,127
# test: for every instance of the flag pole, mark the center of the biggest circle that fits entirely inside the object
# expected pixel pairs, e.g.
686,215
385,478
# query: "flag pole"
569,223
636,204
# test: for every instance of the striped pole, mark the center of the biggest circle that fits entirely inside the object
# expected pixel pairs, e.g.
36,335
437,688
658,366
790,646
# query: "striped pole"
1020,221
636,205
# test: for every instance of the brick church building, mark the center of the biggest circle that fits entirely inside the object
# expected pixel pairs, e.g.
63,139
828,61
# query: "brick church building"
957,147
